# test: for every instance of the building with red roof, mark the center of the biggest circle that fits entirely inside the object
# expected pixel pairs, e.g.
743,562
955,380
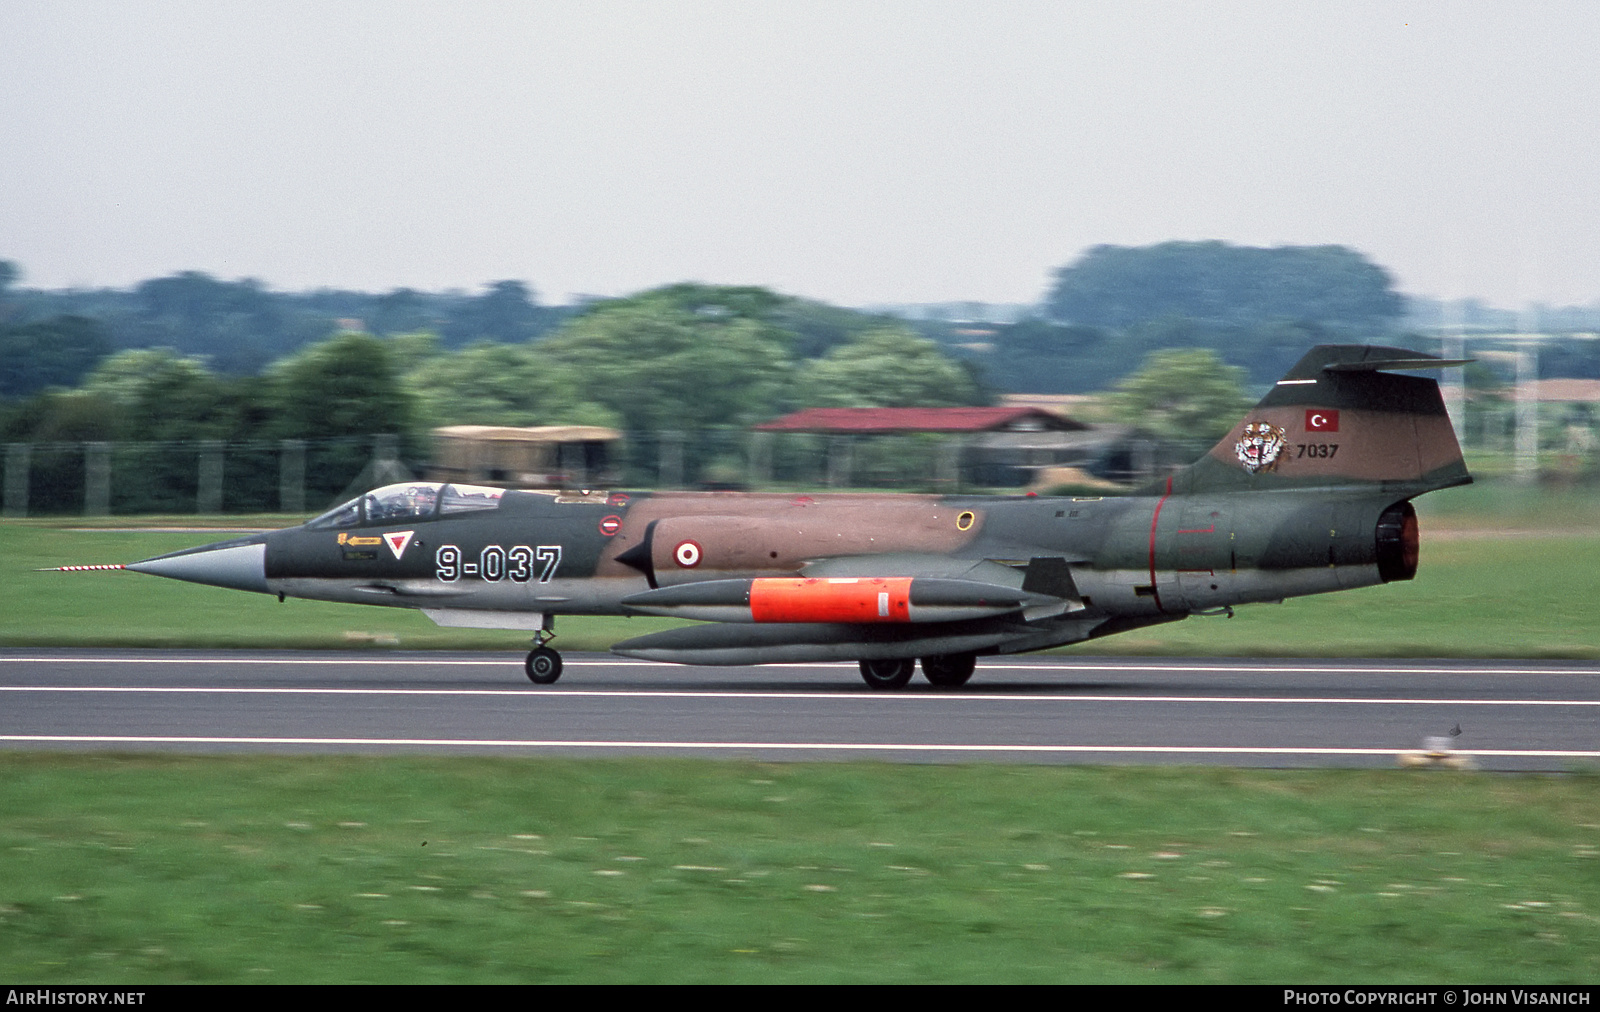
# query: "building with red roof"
882,421
1007,446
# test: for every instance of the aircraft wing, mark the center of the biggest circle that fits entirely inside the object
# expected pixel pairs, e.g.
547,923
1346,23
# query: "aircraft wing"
856,607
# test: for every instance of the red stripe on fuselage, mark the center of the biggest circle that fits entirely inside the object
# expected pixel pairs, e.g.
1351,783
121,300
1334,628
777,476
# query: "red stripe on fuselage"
1155,518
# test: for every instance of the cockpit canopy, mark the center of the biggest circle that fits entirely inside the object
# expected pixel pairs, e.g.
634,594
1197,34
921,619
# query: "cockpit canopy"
411,500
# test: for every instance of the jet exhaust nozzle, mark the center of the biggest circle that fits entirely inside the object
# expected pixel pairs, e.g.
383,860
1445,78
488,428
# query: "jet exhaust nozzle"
1398,543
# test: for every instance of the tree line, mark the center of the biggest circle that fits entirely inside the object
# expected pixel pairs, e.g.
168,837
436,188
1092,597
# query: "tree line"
240,327
1103,313
1101,316
685,358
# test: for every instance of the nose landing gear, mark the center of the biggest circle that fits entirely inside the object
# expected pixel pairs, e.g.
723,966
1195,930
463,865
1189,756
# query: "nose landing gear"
543,664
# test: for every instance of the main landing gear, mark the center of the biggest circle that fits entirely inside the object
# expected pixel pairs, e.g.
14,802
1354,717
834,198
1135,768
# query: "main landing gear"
543,664
944,671
949,671
888,674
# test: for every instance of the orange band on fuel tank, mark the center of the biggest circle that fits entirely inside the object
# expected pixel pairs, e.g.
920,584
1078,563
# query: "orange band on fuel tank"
866,600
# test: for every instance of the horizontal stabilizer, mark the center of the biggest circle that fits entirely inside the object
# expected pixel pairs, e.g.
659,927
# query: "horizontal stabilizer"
1397,364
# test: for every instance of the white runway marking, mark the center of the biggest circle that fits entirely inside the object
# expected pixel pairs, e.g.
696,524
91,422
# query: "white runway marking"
532,694
1198,750
418,684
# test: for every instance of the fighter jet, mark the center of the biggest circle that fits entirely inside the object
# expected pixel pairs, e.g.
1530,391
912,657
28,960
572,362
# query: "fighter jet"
1310,492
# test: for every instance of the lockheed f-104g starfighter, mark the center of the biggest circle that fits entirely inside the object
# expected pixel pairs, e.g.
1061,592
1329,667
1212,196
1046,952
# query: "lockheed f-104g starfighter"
1310,492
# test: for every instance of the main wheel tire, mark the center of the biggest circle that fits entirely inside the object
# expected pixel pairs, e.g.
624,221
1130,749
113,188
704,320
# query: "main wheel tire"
893,673
949,671
543,666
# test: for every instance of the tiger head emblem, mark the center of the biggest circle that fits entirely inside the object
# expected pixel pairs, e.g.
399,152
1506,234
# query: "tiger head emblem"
1258,447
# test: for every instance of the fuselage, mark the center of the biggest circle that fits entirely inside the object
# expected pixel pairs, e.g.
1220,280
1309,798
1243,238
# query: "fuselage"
483,557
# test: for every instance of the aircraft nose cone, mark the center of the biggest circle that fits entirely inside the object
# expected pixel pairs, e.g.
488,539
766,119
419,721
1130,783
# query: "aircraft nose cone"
240,565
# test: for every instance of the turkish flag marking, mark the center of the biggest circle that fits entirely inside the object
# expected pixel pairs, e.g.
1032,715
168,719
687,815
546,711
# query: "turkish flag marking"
1322,420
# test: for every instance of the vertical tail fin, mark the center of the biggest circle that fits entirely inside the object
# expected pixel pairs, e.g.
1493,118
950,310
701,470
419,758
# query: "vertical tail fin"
1339,419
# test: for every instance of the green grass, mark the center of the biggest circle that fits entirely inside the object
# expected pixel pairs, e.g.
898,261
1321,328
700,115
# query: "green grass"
1504,505
1504,573
151,869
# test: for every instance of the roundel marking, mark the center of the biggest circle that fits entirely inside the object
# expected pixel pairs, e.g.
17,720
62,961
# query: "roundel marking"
966,520
617,499
610,525
687,554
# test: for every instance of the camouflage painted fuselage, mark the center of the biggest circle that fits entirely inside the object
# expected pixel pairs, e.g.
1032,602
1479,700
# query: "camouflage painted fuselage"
1309,493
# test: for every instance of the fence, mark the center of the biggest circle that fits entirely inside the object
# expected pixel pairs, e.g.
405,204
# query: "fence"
204,476
737,458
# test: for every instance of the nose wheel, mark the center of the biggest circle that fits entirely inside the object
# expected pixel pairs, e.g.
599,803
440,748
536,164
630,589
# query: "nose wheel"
544,663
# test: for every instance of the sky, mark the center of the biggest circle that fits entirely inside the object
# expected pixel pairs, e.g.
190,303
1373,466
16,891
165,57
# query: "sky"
856,152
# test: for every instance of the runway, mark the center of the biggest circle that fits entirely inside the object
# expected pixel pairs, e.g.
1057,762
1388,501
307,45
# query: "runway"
1041,709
